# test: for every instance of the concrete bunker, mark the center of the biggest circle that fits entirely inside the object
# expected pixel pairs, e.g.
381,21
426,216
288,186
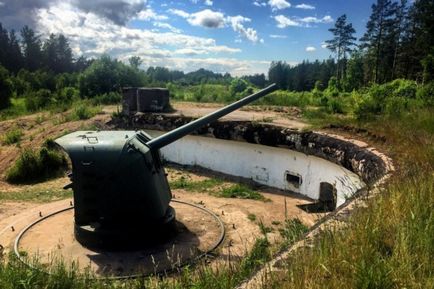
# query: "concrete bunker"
325,168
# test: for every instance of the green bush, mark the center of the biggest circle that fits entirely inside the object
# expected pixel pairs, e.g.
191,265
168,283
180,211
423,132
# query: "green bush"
68,94
238,85
366,107
39,99
84,111
426,94
335,106
5,88
287,98
332,88
107,98
12,136
33,166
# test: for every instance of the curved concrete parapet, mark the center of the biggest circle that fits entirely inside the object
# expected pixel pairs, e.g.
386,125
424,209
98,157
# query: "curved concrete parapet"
372,166
355,156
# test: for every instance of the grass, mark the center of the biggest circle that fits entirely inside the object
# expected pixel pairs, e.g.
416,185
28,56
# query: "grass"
216,187
195,186
388,244
12,136
33,166
36,195
251,217
228,274
240,191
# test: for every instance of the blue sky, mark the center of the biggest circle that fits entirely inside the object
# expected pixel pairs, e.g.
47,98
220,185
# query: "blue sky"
237,36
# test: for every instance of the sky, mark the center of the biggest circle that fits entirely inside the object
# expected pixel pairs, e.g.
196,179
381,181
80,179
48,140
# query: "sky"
236,36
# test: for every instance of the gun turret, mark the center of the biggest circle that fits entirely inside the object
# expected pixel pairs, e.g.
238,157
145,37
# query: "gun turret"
121,193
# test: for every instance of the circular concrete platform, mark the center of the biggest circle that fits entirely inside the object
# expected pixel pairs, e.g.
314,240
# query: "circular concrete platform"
52,240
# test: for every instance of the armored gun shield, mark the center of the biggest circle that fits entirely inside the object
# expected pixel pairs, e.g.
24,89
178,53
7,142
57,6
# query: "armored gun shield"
121,192
120,188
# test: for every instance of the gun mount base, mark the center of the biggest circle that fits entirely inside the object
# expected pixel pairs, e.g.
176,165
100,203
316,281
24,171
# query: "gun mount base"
127,237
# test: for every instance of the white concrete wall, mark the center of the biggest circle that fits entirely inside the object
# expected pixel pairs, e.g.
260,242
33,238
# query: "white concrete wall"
264,164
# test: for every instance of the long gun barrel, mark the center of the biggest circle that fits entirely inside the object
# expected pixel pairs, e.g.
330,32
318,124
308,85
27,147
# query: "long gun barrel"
178,133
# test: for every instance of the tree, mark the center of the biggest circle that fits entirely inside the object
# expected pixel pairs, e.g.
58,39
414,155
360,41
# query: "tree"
341,44
105,75
278,73
379,38
14,56
135,61
31,48
355,73
5,88
417,40
57,54
256,79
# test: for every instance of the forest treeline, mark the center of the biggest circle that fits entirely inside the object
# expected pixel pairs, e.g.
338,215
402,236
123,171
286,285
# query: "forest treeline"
397,44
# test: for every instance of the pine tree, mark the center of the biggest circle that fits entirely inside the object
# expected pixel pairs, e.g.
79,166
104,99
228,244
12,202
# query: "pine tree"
418,40
378,39
14,56
31,49
57,54
341,44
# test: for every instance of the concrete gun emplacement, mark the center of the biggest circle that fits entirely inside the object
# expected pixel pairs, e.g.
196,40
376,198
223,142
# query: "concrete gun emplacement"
121,193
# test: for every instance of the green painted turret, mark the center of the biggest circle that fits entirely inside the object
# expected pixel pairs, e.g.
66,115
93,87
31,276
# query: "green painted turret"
121,193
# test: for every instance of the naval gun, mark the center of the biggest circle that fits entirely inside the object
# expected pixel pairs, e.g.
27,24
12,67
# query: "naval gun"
120,190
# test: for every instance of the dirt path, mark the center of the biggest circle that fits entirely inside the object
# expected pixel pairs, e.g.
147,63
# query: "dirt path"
282,116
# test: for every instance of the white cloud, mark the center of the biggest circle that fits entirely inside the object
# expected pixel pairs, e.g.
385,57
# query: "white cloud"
325,19
149,14
178,12
278,4
283,21
278,36
91,36
323,45
310,49
208,2
259,4
2,3
207,18
212,19
305,6
237,25
167,26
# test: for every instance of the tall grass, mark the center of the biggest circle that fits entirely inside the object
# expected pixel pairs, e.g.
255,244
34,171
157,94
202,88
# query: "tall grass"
390,243
12,136
32,166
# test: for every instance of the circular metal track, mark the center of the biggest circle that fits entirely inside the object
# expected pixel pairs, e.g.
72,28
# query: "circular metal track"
203,254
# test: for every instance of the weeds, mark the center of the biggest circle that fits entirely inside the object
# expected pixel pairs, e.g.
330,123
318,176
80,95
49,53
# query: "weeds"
240,191
33,166
12,136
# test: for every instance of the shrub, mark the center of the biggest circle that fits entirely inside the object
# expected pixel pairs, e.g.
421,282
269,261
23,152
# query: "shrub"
335,106
332,88
238,85
12,136
32,166
36,100
5,88
404,88
84,111
107,98
366,107
68,94
426,94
